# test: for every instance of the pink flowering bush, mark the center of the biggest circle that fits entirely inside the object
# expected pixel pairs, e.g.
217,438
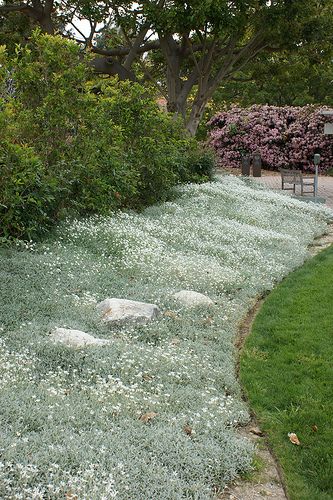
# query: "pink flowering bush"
284,136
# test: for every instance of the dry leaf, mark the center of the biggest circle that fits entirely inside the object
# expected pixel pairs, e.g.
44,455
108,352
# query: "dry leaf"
293,438
171,314
188,430
70,496
146,417
256,431
208,321
147,377
314,428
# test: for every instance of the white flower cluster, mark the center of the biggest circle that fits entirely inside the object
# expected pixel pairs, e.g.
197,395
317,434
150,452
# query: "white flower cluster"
15,479
154,414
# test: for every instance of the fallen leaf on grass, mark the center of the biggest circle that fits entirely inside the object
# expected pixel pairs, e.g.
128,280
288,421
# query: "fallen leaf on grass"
293,438
256,431
146,417
314,428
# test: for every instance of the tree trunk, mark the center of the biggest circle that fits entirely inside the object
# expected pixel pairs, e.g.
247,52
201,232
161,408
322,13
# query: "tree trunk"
171,53
197,111
46,24
177,107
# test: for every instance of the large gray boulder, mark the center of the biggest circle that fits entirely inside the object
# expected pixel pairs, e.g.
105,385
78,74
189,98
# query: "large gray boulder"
189,298
127,311
75,338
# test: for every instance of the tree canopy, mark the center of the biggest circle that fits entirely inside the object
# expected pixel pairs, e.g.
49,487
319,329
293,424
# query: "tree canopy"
185,49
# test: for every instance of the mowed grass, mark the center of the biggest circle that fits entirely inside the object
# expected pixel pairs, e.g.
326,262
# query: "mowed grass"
287,372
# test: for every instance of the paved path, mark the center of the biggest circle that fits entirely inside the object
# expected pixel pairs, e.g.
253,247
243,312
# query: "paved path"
325,186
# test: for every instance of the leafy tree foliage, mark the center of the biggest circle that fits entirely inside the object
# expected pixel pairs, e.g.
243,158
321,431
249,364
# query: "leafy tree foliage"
292,78
200,43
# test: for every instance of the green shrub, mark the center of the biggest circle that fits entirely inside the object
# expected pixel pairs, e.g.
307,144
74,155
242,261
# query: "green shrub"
99,187
157,147
199,165
27,195
100,152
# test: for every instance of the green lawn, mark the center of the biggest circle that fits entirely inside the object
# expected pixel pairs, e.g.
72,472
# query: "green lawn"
287,372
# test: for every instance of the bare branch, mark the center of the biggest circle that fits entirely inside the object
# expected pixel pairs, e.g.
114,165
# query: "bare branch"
189,43
37,12
188,85
93,25
250,56
150,77
78,30
135,46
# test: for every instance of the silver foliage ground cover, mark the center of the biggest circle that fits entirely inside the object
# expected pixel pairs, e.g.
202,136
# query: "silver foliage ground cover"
70,418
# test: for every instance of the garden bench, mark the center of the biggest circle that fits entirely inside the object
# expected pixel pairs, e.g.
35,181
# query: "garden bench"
296,178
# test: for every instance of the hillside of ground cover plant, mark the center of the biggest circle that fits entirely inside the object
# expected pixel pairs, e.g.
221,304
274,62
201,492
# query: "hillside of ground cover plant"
70,418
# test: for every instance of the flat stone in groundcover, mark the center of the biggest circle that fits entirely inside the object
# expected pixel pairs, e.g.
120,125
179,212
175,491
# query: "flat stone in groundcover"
124,311
75,338
189,298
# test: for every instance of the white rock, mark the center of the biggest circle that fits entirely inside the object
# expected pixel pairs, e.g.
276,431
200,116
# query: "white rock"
123,311
189,298
75,338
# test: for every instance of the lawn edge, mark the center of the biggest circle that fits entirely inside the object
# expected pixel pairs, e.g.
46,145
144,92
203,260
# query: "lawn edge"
244,330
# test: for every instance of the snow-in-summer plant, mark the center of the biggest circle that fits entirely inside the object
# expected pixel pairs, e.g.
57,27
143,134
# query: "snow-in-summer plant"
70,418
284,136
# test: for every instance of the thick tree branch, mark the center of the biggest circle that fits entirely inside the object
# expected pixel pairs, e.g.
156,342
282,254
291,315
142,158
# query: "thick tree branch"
14,8
171,54
23,8
48,8
188,85
108,66
124,51
139,39
189,44
93,25
37,12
